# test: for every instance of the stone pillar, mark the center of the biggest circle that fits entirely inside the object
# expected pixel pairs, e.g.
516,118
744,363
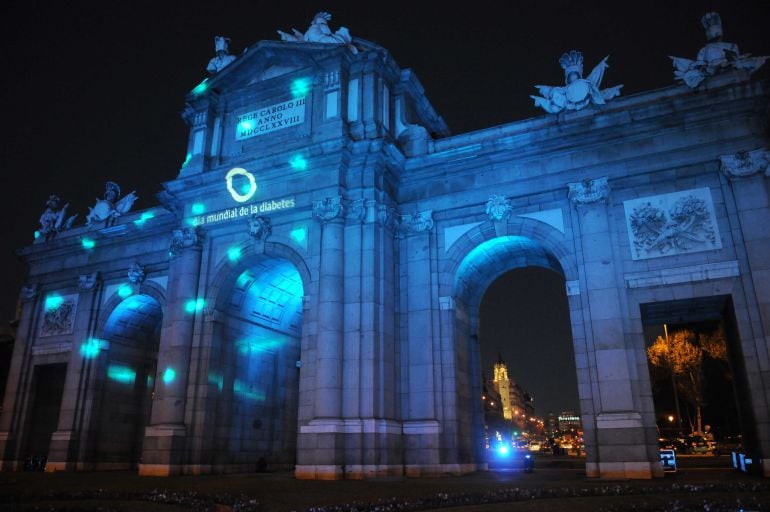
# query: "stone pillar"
164,442
421,426
320,450
620,432
748,173
68,449
16,396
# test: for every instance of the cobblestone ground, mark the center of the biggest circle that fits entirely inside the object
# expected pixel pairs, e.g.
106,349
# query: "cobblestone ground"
555,485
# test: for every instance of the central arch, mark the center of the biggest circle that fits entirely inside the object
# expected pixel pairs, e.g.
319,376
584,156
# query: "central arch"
482,257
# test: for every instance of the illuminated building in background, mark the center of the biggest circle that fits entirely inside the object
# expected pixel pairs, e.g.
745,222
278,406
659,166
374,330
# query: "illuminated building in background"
517,404
306,294
569,421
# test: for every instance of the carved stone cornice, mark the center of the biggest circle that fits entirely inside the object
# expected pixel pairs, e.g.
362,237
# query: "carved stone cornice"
498,208
29,292
87,282
136,273
589,191
744,164
328,208
417,222
185,238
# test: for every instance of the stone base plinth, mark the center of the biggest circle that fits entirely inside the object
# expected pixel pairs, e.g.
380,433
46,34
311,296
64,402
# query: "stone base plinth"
163,450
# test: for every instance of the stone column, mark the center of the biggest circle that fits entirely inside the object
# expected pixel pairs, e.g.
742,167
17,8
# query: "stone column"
748,173
68,443
320,450
620,432
164,441
421,426
14,404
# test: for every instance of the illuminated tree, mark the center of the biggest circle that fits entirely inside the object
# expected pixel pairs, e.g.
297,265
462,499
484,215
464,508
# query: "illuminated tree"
680,357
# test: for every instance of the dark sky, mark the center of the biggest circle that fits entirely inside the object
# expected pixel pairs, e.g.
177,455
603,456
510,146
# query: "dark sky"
93,90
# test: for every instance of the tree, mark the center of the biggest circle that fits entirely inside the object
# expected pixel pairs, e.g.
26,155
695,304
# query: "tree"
680,357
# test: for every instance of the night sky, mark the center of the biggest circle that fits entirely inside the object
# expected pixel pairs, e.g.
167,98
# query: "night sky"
93,91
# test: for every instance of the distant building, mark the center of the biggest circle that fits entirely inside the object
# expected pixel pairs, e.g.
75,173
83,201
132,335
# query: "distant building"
569,421
517,403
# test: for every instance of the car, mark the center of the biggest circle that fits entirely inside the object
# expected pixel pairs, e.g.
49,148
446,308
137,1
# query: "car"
729,444
535,446
694,444
503,455
667,444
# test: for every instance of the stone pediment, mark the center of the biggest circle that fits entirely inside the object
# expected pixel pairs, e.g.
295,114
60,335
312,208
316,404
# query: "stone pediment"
270,59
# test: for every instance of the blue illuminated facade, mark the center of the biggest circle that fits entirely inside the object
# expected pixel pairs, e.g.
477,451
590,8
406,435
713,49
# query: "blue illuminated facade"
307,293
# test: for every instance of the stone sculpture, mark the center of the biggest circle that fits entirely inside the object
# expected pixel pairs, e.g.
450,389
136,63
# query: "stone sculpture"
136,273
52,220
222,57
259,227
716,57
578,92
112,206
498,208
319,32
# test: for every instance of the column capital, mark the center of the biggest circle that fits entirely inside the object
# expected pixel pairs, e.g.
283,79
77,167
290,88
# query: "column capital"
185,238
356,209
589,191
87,282
744,164
328,208
417,222
29,292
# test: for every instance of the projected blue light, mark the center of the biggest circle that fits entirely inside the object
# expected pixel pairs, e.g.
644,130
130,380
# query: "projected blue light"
234,253
299,235
90,348
194,305
201,87
144,218
53,301
187,159
244,279
298,163
150,381
300,87
255,346
37,234
121,374
198,209
243,390
245,125
87,243
217,380
168,376
503,450
125,291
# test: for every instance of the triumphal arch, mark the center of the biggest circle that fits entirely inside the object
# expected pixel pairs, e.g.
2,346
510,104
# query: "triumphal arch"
306,293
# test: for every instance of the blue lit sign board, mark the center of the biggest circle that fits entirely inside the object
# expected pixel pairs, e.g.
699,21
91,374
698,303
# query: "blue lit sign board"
668,459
